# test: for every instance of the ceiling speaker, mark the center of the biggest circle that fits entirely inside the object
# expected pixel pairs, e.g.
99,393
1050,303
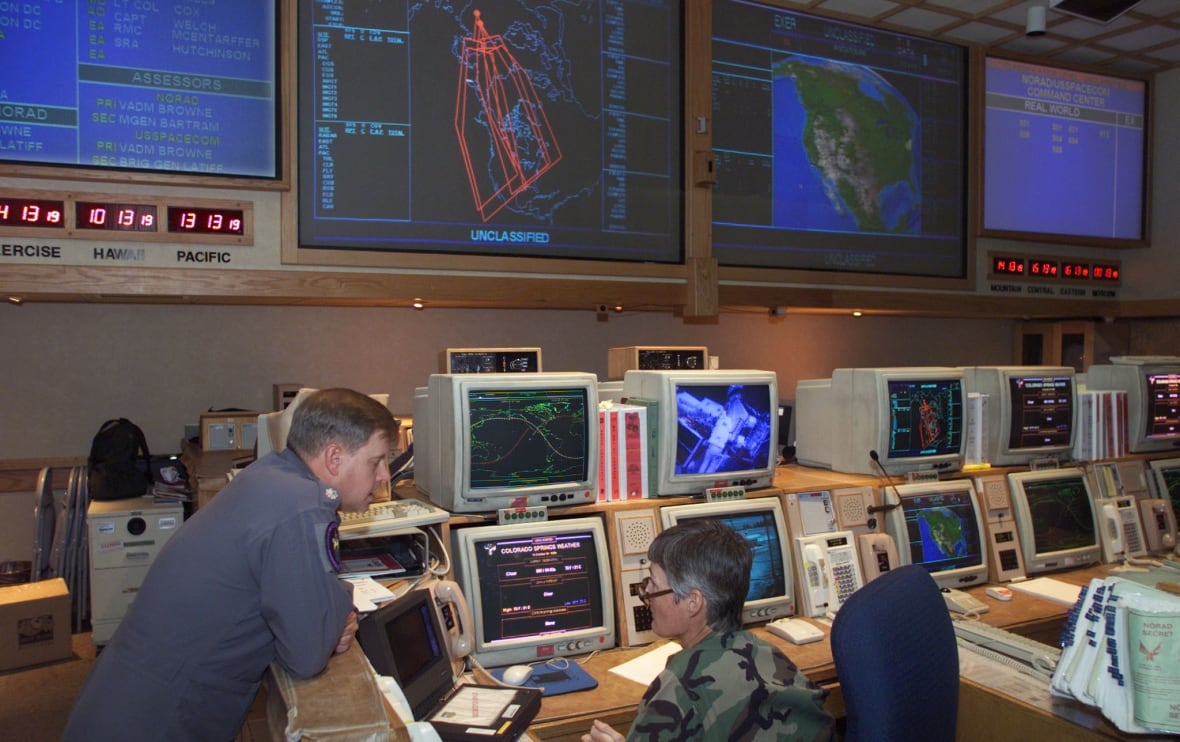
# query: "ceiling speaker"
1099,11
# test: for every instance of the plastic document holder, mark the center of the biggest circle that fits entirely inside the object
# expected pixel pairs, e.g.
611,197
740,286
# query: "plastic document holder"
485,712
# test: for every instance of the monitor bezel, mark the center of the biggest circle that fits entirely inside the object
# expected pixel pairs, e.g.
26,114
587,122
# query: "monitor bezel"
493,653
894,496
661,385
1035,560
1131,377
763,609
878,437
996,382
432,682
1159,469
446,412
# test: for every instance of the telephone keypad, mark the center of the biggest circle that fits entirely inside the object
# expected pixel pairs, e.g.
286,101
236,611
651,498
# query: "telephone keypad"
844,574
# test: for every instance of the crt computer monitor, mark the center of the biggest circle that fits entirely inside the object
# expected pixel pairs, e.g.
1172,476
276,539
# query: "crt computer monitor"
912,418
405,640
537,589
1166,474
1055,521
940,526
714,428
488,441
760,521
1152,384
1030,411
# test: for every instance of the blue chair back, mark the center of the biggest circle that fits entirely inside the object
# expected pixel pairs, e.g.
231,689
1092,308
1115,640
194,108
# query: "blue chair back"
897,660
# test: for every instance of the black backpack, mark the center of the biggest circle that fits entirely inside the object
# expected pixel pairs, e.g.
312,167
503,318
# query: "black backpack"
119,463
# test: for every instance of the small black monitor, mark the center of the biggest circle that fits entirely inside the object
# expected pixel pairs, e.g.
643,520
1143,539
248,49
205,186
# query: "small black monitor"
405,640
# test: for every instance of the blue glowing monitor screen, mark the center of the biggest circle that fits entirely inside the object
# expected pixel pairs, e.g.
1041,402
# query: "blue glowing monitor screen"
1163,390
942,530
1060,513
1042,411
723,428
926,418
528,437
760,531
537,585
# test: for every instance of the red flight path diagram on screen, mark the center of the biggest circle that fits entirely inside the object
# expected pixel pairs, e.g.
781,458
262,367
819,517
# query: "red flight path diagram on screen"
504,135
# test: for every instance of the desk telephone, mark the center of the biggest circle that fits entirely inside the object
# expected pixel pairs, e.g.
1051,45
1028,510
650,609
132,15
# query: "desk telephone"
1121,535
1159,524
831,571
878,554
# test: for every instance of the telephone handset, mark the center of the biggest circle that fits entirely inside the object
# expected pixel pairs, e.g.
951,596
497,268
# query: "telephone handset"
1159,524
878,554
831,571
1114,530
456,617
817,577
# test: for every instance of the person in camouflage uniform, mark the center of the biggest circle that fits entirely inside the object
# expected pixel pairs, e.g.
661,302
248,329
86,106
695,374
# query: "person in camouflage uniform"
725,683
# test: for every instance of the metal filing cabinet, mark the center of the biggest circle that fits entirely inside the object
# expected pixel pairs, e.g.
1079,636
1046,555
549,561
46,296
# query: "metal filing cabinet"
125,537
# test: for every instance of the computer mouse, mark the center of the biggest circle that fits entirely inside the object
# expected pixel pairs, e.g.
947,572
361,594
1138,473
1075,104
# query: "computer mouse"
999,593
517,674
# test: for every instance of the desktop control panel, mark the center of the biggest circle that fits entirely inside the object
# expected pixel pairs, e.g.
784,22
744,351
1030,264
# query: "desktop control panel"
1005,560
630,533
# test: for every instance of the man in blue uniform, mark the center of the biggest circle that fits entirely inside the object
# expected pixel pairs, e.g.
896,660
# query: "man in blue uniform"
249,579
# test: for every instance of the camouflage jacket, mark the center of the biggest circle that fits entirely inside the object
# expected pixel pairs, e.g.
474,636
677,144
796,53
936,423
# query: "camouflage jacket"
732,687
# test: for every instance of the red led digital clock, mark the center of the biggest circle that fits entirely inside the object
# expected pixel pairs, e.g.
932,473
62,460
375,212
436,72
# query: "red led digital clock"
32,212
116,217
1043,268
1103,272
1008,266
190,220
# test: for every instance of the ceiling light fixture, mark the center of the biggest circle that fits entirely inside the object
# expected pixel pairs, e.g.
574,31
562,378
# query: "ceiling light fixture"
1034,25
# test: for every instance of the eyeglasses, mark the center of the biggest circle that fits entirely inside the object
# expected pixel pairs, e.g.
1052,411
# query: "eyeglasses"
646,594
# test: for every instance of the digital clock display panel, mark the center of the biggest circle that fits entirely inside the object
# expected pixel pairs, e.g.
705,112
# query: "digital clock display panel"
116,217
32,212
190,220
1106,272
1006,266
1043,268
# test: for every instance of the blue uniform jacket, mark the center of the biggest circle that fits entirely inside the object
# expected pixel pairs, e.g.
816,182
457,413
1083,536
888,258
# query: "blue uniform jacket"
246,581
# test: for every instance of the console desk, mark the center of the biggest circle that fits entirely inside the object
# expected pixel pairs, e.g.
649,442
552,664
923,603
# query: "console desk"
985,714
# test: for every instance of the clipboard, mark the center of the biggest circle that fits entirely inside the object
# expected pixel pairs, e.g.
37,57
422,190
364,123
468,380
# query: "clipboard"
485,712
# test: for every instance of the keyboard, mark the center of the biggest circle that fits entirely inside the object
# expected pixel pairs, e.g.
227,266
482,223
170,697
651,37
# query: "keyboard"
1029,651
394,515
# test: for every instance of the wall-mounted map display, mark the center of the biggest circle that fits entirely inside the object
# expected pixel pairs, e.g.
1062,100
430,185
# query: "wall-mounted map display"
838,147
540,129
160,86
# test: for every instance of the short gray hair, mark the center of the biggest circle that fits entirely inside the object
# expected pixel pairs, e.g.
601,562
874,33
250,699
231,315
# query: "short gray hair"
339,416
709,556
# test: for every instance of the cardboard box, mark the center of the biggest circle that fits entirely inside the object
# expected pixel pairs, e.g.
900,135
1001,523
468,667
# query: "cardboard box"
34,623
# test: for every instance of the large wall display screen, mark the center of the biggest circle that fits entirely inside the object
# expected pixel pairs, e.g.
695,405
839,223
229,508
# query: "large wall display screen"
523,128
162,86
1064,152
838,147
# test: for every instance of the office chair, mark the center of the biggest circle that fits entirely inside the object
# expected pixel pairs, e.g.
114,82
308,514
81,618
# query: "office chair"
897,659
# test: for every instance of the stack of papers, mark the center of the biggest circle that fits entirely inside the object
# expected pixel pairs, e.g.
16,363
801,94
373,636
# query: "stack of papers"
1120,652
368,594
1049,589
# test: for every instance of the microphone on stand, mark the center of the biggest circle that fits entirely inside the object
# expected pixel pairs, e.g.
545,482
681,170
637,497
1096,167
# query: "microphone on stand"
888,480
